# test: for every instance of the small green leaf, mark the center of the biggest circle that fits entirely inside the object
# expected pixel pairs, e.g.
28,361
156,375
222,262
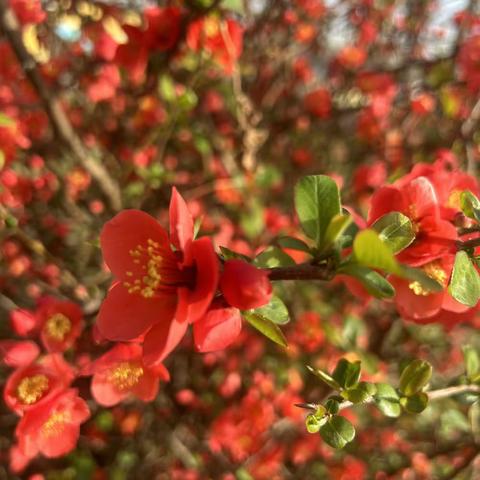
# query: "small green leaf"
332,405
370,251
373,282
228,254
314,423
474,417
415,403
337,432
360,393
273,257
336,228
414,377
325,377
347,374
234,6
472,361
166,88
266,327
418,275
395,230
293,244
387,400
317,201
465,283
470,205
275,311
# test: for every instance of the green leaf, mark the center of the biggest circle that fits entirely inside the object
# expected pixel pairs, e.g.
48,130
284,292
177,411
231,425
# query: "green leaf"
472,361
293,244
6,121
332,405
314,423
275,311
273,257
234,6
414,377
415,403
337,226
228,254
387,400
465,283
360,393
373,282
266,327
166,88
395,230
325,377
337,432
470,205
370,251
474,417
317,201
347,374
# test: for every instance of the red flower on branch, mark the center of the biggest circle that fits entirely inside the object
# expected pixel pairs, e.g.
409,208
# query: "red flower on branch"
159,289
121,373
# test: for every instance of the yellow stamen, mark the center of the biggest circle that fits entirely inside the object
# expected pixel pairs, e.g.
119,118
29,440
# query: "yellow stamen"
55,425
435,272
31,389
58,326
126,375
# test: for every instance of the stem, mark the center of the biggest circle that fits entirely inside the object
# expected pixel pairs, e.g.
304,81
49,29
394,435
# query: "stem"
474,242
300,272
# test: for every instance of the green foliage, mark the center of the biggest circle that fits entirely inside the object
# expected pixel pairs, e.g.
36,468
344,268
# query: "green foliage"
470,205
273,257
414,377
293,244
317,202
325,377
228,254
275,311
387,400
347,374
373,282
395,230
472,363
337,432
415,403
465,283
265,327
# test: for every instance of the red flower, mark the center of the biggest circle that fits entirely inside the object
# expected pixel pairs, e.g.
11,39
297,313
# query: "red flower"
245,286
30,386
53,428
158,291
319,103
163,27
60,323
121,373
18,353
220,326
417,200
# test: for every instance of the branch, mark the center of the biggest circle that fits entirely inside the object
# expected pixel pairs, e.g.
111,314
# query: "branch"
61,125
301,272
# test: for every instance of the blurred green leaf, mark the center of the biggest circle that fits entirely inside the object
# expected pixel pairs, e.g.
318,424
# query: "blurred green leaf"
373,282
347,374
293,244
387,400
275,311
470,205
6,121
416,403
472,361
336,228
266,327
414,377
228,254
325,377
317,201
273,257
465,282
395,230
337,432
360,393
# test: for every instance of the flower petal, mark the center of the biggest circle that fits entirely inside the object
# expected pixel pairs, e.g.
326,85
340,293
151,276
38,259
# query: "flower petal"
217,329
124,316
162,339
123,234
181,221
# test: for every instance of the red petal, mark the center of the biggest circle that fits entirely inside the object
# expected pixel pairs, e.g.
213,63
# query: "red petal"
217,329
197,301
23,322
147,387
104,392
124,316
385,200
18,354
161,340
181,221
421,198
125,232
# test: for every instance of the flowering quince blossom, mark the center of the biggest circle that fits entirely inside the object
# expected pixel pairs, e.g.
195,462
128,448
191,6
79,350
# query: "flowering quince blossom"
430,197
18,353
159,290
121,373
32,385
52,429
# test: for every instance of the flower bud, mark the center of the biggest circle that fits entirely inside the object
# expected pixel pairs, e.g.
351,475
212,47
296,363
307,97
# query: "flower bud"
245,286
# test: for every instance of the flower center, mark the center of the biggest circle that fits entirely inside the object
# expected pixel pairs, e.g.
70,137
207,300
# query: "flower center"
454,199
125,375
158,269
435,272
55,424
57,327
31,389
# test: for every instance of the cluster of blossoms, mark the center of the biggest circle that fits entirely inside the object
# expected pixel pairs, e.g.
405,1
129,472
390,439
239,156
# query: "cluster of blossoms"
430,197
